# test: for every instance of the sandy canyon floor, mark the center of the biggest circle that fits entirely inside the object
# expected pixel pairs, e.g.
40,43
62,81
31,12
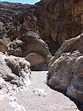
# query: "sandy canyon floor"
36,97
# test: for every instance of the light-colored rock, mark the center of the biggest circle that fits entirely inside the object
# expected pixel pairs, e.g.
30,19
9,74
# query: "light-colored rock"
68,46
75,89
15,48
66,70
60,72
20,67
40,92
14,70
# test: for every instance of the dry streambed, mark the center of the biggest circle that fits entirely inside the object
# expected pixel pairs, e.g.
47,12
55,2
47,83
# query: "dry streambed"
36,97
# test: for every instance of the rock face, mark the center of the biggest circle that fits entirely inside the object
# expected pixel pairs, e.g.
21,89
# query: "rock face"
8,13
68,46
14,70
48,23
66,70
60,71
55,20
75,89
33,48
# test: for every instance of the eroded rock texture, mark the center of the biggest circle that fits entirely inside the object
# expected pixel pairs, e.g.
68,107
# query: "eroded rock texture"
32,29
66,69
14,70
8,13
55,20
75,89
33,48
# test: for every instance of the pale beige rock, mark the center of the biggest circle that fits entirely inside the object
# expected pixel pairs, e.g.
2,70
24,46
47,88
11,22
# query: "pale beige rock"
66,70
60,71
76,87
14,70
14,48
68,46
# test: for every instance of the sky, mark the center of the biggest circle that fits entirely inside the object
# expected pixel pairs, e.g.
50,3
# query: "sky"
22,1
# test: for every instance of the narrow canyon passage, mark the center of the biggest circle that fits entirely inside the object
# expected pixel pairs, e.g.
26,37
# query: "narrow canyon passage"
36,97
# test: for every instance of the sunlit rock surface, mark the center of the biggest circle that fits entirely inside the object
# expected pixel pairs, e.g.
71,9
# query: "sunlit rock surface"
14,70
66,71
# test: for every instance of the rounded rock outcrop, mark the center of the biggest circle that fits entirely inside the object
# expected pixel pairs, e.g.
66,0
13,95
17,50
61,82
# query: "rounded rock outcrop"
65,70
14,70
33,48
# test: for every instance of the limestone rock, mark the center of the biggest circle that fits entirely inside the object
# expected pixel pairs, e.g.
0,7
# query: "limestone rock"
14,70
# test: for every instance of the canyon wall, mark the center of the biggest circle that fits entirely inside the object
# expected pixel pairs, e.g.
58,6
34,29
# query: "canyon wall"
55,21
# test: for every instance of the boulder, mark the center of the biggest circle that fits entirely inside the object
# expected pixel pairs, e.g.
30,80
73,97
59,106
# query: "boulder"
68,46
14,70
60,71
33,48
75,89
38,62
15,48
66,70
